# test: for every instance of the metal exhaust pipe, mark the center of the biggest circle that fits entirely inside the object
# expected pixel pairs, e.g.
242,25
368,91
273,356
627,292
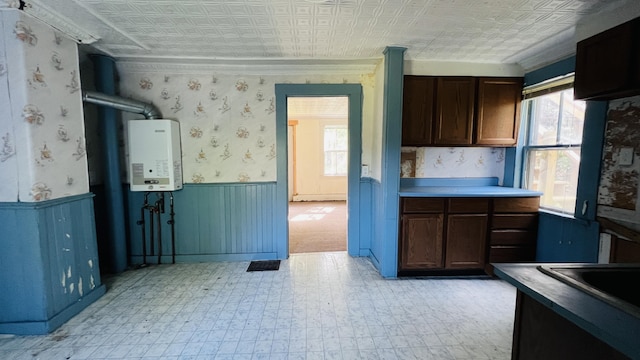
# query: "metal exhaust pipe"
149,111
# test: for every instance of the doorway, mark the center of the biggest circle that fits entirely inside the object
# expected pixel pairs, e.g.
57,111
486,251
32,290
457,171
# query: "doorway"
354,94
318,168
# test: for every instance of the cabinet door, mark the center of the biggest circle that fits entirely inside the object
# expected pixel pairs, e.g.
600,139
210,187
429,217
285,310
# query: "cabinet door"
466,241
417,110
498,116
607,63
421,241
454,111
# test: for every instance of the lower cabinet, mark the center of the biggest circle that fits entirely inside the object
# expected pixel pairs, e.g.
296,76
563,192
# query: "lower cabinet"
438,233
466,239
425,253
514,230
465,233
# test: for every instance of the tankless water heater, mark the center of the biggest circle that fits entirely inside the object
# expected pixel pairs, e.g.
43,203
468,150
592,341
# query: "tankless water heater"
155,161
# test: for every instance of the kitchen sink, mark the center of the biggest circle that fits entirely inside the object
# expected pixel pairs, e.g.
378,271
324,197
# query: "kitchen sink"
616,284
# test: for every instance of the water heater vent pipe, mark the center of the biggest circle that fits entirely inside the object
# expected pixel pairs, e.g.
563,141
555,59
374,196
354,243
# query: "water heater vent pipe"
149,111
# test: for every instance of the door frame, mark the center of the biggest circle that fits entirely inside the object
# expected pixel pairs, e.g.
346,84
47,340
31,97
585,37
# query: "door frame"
354,94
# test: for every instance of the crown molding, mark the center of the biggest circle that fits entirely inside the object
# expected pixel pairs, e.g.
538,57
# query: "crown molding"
558,47
248,66
42,12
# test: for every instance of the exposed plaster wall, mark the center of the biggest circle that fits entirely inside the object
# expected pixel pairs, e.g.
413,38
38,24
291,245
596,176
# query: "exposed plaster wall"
618,190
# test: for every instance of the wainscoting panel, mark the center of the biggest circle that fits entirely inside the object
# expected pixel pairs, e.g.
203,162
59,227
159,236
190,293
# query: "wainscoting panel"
215,222
50,269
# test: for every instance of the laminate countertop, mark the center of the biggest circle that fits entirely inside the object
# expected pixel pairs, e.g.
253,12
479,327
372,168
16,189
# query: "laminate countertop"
616,327
460,187
466,191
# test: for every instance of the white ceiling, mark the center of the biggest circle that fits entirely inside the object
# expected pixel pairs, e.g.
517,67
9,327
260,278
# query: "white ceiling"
480,31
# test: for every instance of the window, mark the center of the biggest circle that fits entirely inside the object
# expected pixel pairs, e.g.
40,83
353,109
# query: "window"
335,150
552,147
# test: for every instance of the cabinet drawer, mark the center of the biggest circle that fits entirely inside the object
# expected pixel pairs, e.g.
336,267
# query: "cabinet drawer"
515,221
516,205
513,237
422,205
498,254
468,205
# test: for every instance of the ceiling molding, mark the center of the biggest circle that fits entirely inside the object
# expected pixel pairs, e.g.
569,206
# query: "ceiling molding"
39,10
452,68
248,66
114,27
558,47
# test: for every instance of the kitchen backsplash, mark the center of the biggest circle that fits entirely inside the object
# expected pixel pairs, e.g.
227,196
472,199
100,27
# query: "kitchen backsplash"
454,162
42,141
227,120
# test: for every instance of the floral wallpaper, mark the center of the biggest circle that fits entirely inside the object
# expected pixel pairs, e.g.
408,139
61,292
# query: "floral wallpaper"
45,134
227,121
456,162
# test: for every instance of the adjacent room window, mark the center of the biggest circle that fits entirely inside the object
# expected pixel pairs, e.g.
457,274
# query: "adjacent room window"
335,150
554,123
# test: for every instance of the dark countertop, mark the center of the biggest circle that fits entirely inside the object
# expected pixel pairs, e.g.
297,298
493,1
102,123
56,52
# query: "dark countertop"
617,328
460,187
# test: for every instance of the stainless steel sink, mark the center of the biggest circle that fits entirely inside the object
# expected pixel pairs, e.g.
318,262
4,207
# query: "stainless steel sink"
616,284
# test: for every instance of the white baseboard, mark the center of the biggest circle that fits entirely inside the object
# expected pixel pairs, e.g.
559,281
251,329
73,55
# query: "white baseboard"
320,197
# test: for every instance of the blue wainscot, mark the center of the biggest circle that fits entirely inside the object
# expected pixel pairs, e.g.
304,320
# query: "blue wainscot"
49,268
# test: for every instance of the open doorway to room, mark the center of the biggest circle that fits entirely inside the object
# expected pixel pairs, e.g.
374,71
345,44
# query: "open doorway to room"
318,153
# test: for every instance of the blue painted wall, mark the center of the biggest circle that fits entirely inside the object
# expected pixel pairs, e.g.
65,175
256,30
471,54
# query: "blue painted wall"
561,238
384,247
49,268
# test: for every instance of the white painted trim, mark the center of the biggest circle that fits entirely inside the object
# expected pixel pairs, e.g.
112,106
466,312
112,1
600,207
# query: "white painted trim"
247,66
604,248
42,12
450,68
320,197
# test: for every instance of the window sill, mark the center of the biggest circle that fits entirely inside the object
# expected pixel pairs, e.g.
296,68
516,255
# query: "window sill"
558,214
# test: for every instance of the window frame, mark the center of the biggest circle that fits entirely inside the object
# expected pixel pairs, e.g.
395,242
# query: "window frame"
325,151
528,114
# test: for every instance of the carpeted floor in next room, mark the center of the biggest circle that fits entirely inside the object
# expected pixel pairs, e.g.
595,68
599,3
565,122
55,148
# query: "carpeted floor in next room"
317,226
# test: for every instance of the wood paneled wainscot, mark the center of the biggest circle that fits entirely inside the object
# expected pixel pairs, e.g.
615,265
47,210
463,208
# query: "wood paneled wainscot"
458,233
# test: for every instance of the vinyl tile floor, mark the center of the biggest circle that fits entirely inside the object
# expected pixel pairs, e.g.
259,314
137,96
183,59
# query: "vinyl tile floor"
317,306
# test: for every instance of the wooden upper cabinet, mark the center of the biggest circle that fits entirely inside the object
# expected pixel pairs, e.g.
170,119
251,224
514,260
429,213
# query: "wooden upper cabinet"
454,111
608,64
418,110
498,111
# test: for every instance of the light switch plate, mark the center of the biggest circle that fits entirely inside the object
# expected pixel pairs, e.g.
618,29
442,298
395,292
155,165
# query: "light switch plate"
625,157
365,170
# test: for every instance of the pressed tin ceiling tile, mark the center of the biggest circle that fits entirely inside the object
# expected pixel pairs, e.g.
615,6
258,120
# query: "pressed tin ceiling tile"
491,31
